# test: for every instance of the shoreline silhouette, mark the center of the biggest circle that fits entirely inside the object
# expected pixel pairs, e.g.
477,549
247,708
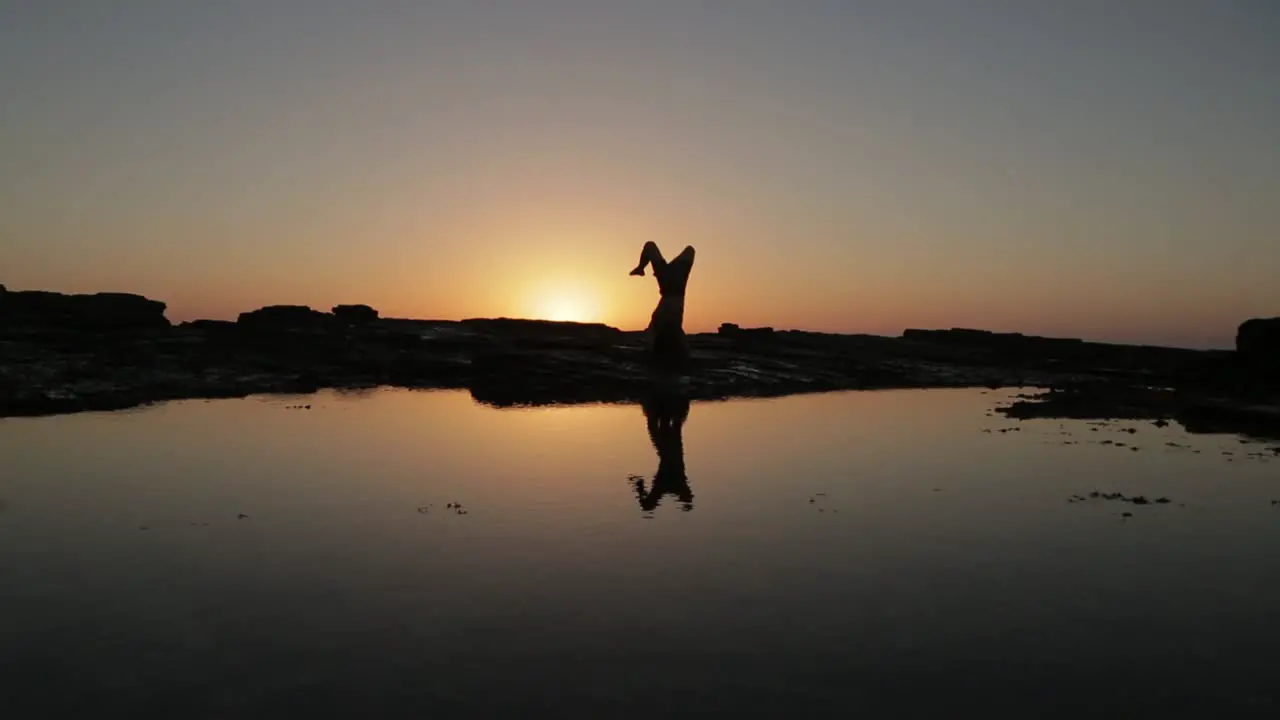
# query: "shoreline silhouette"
109,351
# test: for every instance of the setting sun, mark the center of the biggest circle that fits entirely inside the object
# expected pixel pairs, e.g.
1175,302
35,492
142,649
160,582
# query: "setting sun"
566,308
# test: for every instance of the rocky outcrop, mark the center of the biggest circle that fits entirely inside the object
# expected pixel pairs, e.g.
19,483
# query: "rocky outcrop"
543,332
1258,340
732,330
38,310
210,325
1208,391
1232,384
355,314
968,337
284,317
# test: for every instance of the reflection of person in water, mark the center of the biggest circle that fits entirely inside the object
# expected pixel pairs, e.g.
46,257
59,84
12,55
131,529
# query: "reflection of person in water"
665,416
666,325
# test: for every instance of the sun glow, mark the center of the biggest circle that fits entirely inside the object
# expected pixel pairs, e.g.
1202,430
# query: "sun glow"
566,308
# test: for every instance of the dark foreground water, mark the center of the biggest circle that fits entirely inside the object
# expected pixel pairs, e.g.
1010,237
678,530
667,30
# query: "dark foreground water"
809,556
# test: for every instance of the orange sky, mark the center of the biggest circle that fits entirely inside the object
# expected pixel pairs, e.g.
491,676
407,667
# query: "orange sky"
844,167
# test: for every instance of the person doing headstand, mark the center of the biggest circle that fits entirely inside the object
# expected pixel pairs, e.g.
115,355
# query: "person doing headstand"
666,325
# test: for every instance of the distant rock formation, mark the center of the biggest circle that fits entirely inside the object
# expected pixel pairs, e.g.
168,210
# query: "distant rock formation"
542,330
43,310
209,325
284,317
732,330
1259,339
985,338
355,314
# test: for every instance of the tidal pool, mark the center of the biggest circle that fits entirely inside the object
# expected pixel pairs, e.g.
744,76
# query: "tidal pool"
815,555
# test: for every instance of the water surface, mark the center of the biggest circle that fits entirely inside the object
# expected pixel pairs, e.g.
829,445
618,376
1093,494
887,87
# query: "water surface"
813,555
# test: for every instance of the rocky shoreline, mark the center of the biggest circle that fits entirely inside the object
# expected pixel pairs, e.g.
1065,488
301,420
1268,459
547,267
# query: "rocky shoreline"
110,351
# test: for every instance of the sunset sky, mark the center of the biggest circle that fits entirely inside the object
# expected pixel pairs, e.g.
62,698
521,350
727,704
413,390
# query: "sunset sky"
1099,168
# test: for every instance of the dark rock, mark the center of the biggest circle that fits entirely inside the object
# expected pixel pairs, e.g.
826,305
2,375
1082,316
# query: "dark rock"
98,312
1259,338
1084,400
284,317
1062,355
541,331
1121,497
755,333
1240,389
1208,414
355,314
969,336
731,330
209,325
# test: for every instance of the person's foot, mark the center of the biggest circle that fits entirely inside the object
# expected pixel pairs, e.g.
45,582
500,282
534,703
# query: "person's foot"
638,272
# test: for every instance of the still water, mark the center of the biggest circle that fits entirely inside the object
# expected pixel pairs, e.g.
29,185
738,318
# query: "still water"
807,556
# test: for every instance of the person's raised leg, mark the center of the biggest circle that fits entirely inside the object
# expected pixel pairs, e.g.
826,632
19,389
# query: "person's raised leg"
650,255
683,261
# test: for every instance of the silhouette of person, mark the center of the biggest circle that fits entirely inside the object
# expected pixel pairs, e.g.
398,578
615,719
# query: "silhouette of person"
665,416
666,325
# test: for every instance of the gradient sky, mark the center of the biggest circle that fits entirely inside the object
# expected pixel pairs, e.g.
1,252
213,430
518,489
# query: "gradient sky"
1099,168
